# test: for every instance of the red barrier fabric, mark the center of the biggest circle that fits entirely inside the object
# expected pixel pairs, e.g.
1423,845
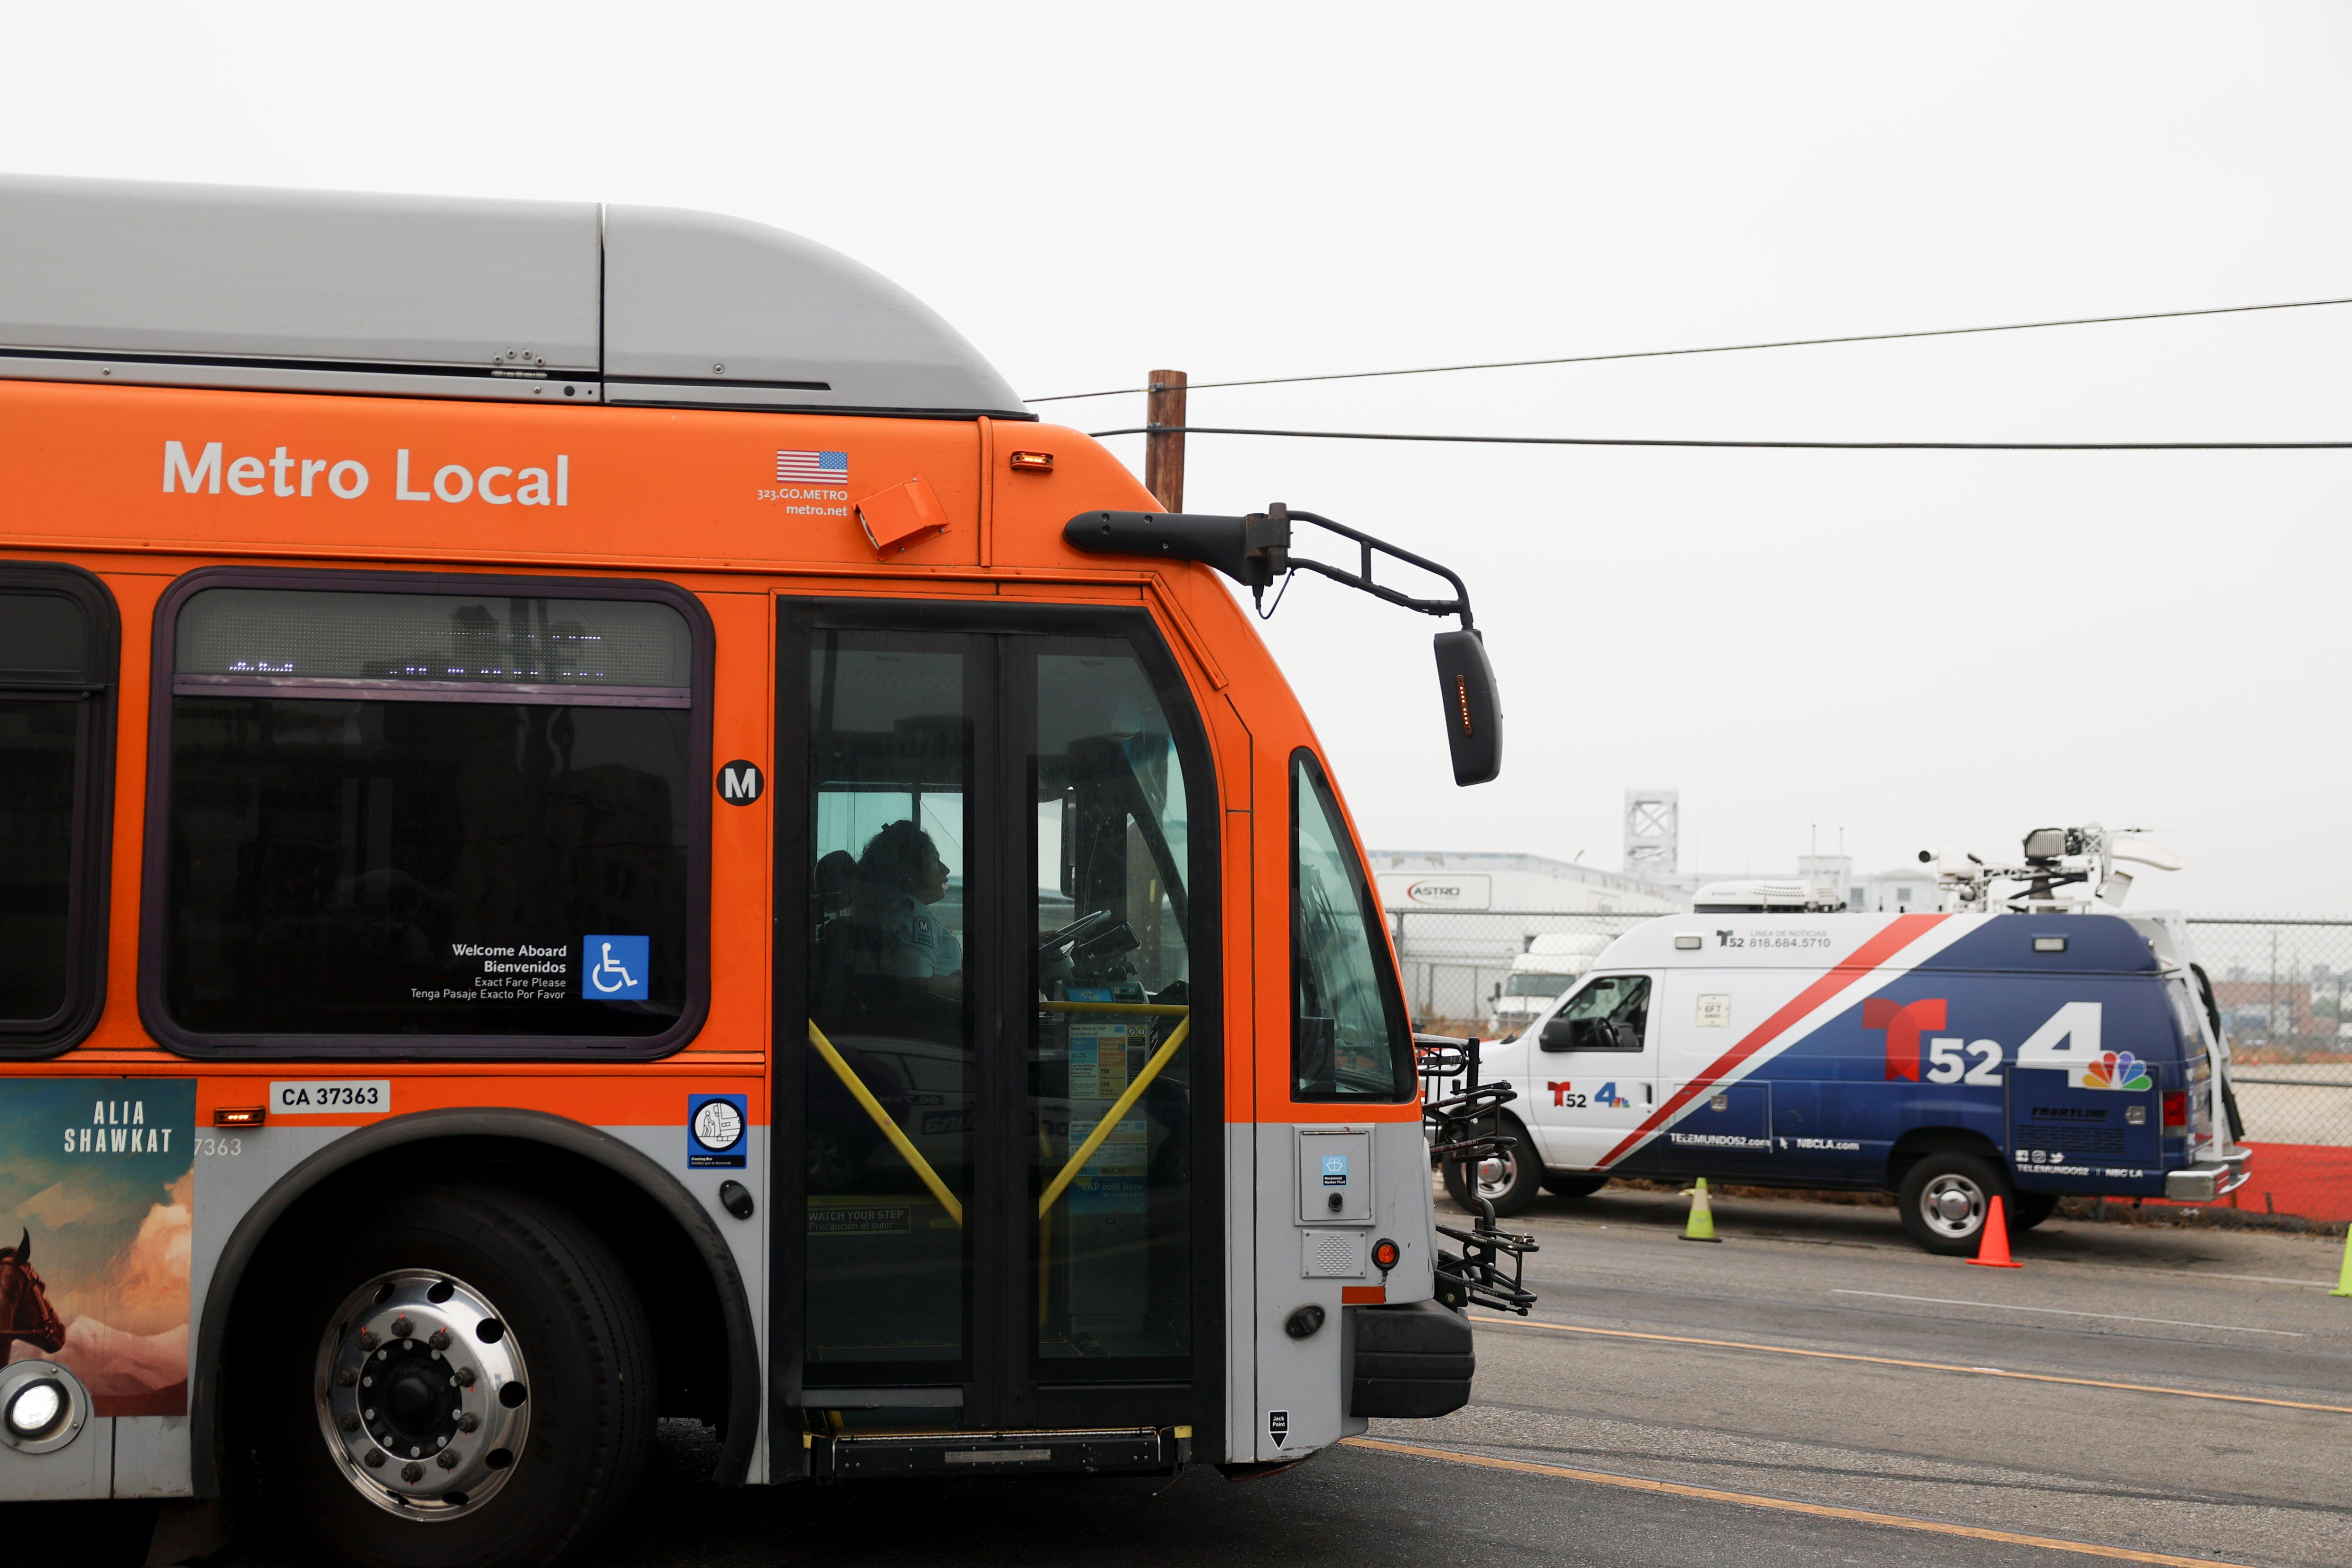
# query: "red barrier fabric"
2310,1180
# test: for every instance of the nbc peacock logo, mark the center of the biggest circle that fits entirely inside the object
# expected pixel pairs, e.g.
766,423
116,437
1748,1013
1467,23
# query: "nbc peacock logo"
2117,1069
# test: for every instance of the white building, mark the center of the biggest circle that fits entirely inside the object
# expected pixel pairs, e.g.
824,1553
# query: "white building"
1460,919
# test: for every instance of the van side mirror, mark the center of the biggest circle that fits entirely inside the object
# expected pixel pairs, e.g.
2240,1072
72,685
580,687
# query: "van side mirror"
1559,1034
1474,715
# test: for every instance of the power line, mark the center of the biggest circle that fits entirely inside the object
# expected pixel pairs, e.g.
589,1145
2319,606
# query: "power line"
1799,445
1717,348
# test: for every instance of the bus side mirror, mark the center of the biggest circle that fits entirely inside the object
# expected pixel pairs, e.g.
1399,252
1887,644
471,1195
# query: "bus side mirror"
1473,716
1559,1034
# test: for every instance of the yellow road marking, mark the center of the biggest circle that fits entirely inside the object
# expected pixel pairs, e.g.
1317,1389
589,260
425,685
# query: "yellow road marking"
1784,1505
1922,1365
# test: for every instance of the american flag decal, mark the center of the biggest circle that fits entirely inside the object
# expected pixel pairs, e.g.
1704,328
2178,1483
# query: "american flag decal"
812,468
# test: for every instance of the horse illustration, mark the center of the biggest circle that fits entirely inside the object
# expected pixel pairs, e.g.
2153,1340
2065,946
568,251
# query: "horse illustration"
24,1310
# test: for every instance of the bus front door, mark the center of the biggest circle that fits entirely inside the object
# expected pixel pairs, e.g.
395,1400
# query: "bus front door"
1001,1212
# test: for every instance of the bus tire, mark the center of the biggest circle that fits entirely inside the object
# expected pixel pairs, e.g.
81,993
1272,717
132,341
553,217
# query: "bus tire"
1944,1197
482,1322
2027,1210
1510,1180
1573,1184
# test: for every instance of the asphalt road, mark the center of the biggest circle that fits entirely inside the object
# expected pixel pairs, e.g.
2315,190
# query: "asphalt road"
1983,1435
1592,1423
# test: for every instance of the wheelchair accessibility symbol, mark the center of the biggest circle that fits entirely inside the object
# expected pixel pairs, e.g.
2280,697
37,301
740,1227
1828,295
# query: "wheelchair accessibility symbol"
615,968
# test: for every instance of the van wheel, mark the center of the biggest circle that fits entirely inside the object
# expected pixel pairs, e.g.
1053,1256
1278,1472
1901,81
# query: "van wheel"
1508,1180
462,1375
1944,1200
1568,1184
2026,1210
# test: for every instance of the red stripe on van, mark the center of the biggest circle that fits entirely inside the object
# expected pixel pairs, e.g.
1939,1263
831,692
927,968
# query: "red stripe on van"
1900,934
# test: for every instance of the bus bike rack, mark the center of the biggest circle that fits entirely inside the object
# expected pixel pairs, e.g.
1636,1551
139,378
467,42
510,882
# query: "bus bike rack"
1464,1129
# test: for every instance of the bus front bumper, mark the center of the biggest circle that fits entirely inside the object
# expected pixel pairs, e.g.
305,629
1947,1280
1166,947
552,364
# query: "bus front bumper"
1415,1361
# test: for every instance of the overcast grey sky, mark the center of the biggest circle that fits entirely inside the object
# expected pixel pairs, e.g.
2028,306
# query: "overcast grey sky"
1915,648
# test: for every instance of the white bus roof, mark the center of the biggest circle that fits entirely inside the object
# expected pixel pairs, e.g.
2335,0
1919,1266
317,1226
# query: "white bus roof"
449,297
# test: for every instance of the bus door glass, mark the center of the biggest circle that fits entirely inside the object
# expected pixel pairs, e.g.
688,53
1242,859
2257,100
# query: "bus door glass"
1592,1078
891,1076
999,1134
1110,1074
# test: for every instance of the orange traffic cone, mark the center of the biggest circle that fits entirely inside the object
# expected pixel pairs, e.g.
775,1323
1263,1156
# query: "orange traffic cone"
1992,1252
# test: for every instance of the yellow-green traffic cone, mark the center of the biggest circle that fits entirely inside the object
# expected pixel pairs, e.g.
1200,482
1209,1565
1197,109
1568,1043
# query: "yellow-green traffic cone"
1702,1218
2344,1280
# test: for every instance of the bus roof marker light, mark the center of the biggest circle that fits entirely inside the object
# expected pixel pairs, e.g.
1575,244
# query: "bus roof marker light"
1033,462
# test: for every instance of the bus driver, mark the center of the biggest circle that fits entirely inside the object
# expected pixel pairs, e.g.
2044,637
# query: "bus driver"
899,876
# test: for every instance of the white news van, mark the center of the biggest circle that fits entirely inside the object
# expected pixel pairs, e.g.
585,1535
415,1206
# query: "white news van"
2043,1047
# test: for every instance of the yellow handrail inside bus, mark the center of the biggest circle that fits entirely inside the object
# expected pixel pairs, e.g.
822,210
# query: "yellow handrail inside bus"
1125,1102
882,1119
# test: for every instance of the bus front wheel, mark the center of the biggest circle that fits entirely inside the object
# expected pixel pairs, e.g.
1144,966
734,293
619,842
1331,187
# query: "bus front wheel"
464,1375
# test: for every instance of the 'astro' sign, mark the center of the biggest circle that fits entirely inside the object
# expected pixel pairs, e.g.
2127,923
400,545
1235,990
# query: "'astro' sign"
1474,891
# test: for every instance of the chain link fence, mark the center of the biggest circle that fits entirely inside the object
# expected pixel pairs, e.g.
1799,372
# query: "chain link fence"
2282,985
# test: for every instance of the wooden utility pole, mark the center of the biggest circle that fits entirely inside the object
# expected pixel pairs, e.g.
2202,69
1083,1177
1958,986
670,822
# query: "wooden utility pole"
1163,455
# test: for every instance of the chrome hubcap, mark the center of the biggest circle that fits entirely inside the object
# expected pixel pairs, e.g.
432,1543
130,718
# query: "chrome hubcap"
1953,1206
1496,1173
421,1395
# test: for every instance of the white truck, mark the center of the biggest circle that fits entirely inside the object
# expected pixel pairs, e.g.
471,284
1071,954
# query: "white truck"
1552,962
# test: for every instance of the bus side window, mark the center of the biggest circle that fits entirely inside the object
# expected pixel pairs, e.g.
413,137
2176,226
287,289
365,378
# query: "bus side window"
426,818
1348,1035
59,648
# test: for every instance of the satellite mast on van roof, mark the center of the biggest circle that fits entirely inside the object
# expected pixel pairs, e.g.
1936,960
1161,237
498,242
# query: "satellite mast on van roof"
2055,860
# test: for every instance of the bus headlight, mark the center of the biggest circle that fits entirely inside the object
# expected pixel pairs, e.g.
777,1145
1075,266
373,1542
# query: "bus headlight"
38,1408
43,1406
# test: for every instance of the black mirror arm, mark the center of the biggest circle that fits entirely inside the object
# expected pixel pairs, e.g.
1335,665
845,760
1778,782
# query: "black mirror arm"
1362,579
1254,550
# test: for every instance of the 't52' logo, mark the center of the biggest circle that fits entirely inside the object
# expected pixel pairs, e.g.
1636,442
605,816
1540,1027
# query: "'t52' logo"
1905,1021
2069,1039
1565,1095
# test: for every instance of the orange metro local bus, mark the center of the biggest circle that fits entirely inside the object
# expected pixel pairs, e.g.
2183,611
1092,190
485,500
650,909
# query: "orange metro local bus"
598,826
